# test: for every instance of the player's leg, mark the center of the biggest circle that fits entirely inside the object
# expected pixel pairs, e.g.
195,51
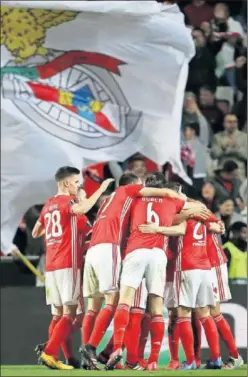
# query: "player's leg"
55,288
94,307
197,331
186,285
173,333
134,266
145,330
57,312
220,281
205,299
107,269
155,275
67,344
132,334
69,285
173,339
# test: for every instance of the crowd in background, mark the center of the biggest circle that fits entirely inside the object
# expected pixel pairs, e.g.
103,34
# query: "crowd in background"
213,130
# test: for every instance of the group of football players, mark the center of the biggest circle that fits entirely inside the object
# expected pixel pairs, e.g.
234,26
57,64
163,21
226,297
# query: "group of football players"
150,247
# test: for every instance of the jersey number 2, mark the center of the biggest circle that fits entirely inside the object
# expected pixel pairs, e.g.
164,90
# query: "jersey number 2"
152,216
198,236
53,226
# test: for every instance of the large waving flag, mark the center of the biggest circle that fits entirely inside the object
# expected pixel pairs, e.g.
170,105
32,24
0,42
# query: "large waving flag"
96,80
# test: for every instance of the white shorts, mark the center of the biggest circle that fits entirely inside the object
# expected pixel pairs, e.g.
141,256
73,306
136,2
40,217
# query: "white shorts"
101,269
145,263
220,282
80,307
194,288
63,287
140,297
169,295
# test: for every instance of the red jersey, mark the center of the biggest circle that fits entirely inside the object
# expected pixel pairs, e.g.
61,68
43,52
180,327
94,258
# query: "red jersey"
112,217
192,250
160,211
215,252
64,232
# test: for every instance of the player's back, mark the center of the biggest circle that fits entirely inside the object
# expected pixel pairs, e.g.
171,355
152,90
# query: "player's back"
215,252
112,217
61,232
159,211
192,251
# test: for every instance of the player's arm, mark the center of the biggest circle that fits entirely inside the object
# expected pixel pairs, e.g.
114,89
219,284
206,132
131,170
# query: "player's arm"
38,230
175,230
201,213
160,192
216,227
85,205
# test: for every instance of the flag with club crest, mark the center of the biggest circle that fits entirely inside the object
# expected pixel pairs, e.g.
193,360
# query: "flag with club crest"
94,80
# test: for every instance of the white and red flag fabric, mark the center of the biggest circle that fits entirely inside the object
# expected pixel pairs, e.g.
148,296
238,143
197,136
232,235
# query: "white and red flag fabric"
87,80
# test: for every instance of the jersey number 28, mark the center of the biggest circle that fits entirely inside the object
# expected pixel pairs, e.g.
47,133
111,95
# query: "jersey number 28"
53,226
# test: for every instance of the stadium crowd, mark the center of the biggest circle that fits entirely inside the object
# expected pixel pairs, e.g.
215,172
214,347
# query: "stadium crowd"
213,131
214,156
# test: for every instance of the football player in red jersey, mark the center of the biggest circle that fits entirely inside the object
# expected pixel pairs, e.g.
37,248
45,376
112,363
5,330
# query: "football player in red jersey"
193,289
59,223
145,257
218,262
66,345
103,260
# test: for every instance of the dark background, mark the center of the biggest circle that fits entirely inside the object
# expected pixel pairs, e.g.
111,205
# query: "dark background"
25,319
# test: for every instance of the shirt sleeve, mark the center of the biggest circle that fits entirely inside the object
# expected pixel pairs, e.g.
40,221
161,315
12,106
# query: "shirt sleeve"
133,190
212,218
180,204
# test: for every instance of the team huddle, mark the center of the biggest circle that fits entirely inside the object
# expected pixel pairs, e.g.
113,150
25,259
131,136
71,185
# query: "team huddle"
150,247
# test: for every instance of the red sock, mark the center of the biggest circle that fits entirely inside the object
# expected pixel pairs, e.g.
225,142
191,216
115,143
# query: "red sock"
197,332
132,334
88,324
102,323
226,334
157,336
77,323
109,347
187,338
173,337
66,347
52,325
145,329
61,331
212,336
121,320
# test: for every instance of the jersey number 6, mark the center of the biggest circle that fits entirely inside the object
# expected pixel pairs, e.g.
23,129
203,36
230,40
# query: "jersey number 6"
53,226
152,216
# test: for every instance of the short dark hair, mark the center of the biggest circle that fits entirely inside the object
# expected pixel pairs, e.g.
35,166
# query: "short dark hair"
65,172
237,226
197,28
207,88
128,179
173,185
156,179
136,157
225,199
195,127
229,166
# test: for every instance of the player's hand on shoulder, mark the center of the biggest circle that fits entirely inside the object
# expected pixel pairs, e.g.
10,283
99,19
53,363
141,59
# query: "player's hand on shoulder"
106,184
148,228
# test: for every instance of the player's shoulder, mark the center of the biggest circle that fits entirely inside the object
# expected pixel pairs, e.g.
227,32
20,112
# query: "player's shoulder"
61,201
